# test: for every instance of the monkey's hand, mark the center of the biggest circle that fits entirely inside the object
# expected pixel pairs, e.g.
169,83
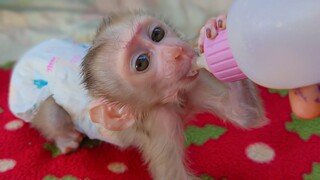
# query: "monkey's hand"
237,102
210,29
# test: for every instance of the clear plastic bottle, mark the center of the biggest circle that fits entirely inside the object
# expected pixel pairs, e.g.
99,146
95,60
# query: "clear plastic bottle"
274,43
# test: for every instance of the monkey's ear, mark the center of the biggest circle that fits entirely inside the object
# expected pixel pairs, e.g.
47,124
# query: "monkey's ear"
111,116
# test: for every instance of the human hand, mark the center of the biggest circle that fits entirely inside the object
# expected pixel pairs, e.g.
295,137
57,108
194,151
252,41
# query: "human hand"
305,101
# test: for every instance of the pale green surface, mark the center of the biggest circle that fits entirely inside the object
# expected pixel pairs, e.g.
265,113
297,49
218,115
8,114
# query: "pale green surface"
25,23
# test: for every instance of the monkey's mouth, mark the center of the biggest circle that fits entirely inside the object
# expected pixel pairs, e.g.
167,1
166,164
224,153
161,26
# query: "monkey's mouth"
193,70
192,74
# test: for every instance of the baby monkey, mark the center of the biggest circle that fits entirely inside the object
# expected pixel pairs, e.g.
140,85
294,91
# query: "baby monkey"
134,86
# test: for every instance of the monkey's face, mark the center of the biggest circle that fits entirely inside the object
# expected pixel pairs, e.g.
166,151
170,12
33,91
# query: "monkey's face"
138,59
156,60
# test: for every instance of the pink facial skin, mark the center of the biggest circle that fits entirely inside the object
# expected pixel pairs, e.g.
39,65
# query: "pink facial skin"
170,59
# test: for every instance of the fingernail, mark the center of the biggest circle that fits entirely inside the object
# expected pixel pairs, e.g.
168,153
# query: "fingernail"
201,48
208,33
220,23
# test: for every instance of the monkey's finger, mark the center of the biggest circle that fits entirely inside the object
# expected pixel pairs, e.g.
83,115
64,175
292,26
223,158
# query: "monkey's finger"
211,28
221,22
209,31
201,39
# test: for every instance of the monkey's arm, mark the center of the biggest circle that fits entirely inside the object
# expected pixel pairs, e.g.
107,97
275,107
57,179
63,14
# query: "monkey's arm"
237,102
160,138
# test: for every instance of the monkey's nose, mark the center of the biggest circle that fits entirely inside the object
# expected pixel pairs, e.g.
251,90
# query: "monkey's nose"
170,52
177,53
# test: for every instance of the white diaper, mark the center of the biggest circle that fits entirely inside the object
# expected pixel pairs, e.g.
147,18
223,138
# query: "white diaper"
52,68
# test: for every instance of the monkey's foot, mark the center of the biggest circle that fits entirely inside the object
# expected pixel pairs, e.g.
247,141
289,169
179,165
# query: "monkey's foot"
69,142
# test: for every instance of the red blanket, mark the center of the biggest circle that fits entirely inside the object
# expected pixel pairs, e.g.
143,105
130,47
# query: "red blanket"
286,148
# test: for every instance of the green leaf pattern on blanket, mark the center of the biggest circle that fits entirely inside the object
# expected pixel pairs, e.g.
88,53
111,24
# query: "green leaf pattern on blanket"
199,135
7,65
1,110
55,151
282,93
206,177
315,174
66,177
304,128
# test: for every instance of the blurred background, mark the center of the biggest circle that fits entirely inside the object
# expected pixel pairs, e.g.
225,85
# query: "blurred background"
24,23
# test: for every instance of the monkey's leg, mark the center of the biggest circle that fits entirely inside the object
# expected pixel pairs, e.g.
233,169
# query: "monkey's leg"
56,124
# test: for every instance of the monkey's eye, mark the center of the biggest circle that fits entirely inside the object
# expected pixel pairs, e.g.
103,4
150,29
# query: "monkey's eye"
157,34
142,62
